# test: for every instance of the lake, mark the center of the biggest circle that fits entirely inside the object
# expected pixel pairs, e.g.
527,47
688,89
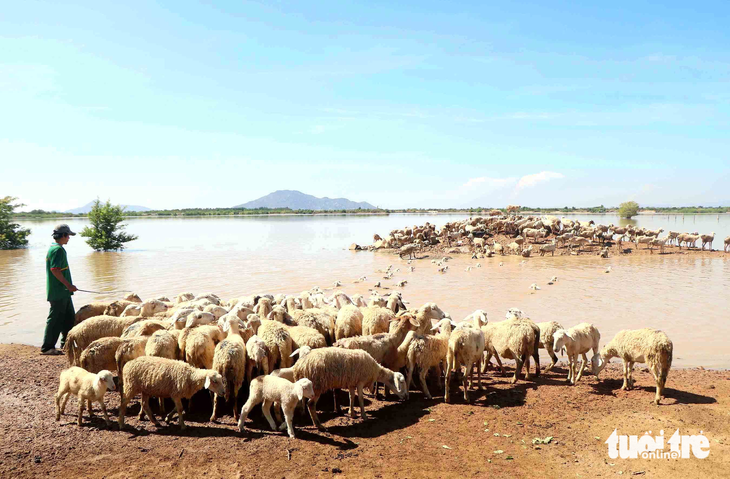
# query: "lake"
688,297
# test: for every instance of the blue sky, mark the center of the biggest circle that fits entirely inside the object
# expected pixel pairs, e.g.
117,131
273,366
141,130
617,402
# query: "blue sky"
427,104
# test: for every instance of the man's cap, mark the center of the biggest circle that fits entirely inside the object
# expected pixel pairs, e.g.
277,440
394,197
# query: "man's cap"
63,229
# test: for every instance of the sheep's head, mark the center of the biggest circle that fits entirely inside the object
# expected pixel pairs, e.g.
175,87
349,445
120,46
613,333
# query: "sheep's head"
559,339
253,321
515,313
216,383
301,352
598,363
105,378
399,384
304,388
279,314
432,311
133,298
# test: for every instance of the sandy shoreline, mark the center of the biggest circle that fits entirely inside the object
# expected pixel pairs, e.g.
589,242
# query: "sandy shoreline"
417,438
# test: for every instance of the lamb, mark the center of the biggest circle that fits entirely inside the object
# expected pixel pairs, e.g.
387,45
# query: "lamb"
127,351
144,328
163,344
647,345
257,354
425,314
165,378
548,248
349,322
395,303
427,352
300,335
336,368
92,329
376,320
184,297
409,250
511,339
230,361
88,387
278,341
270,390
577,340
99,355
707,239
547,339
466,347
116,308
90,310
132,298
263,307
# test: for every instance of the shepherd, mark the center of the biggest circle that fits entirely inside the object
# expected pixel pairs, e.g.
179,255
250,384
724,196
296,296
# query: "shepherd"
59,289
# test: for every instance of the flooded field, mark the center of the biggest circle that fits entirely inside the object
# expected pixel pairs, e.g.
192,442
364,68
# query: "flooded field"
685,296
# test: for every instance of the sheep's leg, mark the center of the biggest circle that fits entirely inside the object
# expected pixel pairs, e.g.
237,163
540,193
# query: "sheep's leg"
352,403
518,369
631,375
527,367
91,410
289,415
179,408
499,363
585,361
148,411
247,406
447,387
214,416
479,374
422,377
362,402
277,411
409,379
266,408
553,356
161,402
81,409
312,405
580,369
571,369
103,409
467,383
625,386
60,410
336,404
123,409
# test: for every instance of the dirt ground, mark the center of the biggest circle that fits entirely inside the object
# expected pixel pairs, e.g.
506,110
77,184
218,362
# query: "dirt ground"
418,438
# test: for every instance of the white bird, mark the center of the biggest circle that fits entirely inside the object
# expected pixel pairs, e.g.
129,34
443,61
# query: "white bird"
402,283
337,284
410,261
479,265
377,285
397,269
553,280
501,263
608,270
413,268
362,278
523,262
468,268
534,287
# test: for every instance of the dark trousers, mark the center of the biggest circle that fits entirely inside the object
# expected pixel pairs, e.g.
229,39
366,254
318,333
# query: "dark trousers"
61,319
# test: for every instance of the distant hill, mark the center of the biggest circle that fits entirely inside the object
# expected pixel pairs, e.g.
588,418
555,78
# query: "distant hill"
297,200
87,207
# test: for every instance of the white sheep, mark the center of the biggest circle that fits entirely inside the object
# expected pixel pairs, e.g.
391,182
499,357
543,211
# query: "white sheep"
349,322
165,378
547,339
87,387
270,390
257,354
466,347
511,339
577,340
647,345
430,351
230,361
376,320
86,332
707,239
336,368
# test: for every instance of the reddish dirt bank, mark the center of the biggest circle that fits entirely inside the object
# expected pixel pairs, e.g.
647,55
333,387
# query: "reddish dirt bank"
418,438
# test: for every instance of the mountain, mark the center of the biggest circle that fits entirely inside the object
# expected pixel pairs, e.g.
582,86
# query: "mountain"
87,207
297,200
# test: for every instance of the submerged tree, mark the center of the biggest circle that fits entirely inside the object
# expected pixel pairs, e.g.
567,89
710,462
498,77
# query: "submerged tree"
628,209
12,236
106,232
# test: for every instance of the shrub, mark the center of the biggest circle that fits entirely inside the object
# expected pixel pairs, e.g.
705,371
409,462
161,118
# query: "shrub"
12,236
106,231
628,209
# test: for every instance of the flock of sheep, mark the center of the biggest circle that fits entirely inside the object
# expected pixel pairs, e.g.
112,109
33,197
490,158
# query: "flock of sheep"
291,348
481,233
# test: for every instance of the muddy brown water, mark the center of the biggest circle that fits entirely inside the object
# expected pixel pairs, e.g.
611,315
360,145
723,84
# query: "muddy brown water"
687,297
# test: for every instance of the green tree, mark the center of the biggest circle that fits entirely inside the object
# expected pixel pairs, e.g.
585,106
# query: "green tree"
106,230
628,209
12,236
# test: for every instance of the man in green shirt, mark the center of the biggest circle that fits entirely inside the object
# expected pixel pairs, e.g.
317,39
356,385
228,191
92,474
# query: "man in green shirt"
59,289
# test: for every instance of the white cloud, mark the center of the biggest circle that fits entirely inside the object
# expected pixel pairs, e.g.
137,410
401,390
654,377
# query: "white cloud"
317,129
529,181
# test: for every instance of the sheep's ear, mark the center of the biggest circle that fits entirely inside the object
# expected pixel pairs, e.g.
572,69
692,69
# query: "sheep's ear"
270,315
99,381
207,382
294,353
299,391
